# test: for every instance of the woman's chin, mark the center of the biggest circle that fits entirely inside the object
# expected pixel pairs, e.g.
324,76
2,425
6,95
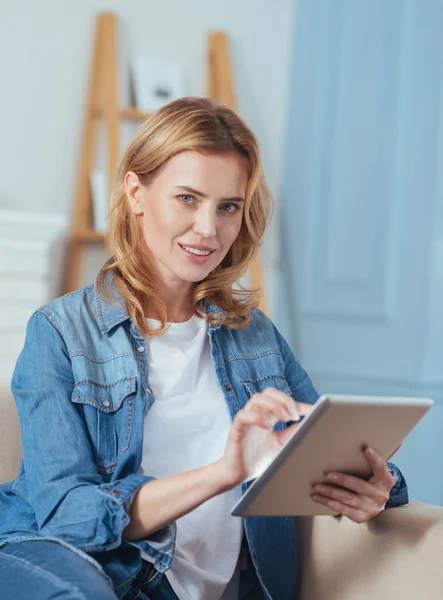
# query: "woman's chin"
193,273
192,277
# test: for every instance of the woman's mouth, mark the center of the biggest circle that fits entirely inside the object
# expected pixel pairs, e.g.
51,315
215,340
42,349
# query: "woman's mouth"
197,254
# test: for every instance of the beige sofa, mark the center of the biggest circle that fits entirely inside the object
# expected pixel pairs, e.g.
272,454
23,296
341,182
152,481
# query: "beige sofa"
396,556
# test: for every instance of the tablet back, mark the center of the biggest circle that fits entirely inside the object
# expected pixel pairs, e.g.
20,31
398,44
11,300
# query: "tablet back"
331,438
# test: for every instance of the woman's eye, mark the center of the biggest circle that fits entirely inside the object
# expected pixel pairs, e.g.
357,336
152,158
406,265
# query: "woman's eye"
229,207
186,198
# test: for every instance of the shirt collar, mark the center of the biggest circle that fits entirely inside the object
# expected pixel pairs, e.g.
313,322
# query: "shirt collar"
111,312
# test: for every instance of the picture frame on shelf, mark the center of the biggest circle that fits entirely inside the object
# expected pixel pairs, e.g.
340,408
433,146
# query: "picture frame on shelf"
156,82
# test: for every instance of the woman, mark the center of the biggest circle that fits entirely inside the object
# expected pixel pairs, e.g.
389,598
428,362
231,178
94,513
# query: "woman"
122,496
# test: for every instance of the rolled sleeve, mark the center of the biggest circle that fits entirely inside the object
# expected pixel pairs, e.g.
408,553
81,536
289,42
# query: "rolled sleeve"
70,499
399,493
160,544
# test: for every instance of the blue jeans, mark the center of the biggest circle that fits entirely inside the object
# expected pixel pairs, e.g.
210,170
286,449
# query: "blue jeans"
47,570
157,586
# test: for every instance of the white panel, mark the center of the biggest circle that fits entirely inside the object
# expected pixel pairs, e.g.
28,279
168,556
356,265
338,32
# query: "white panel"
6,370
28,266
22,291
352,262
13,317
36,227
364,165
24,258
363,209
12,341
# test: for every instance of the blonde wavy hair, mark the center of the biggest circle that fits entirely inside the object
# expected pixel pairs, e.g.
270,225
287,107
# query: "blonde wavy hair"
186,124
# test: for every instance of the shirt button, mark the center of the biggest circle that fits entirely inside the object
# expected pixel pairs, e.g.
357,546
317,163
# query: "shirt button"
106,489
106,403
140,349
228,388
116,492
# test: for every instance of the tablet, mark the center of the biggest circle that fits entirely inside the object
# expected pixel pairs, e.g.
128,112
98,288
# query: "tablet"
330,438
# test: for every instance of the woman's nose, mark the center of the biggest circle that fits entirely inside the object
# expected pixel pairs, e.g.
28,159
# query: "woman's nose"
205,224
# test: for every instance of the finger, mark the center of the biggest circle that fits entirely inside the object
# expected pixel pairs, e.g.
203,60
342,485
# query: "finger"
355,515
358,486
245,420
345,497
262,403
284,434
303,408
284,399
379,467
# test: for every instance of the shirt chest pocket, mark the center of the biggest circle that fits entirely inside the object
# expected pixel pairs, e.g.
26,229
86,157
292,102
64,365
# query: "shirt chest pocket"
108,411
253,386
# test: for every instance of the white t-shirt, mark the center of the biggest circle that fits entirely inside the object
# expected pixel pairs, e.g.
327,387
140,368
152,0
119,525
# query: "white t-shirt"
187,428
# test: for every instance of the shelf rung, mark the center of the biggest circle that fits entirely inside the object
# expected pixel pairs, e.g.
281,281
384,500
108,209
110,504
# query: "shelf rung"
88,236
131,114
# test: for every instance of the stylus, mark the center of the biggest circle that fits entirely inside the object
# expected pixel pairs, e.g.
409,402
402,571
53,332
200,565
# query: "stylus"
289,423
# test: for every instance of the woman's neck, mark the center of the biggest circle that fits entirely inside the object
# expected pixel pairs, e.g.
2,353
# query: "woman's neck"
179,305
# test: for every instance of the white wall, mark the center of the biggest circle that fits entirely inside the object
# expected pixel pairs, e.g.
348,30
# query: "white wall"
45,51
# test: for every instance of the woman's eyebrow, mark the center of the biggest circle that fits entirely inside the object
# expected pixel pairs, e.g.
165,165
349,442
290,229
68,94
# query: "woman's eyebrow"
191,190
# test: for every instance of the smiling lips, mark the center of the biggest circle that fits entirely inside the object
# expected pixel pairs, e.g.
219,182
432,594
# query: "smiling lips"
197,252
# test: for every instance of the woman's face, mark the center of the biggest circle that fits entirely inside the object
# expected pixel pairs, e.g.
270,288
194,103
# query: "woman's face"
191,212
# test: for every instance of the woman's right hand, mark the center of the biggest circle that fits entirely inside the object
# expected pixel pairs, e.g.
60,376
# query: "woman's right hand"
263,410
164,500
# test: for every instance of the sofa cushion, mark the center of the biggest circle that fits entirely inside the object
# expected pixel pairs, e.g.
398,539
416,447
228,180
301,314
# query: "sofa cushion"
395,555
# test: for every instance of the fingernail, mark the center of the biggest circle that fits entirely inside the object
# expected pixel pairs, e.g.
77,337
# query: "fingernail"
331,476
295,415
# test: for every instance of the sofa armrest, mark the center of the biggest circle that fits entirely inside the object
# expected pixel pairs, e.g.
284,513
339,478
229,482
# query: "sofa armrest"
10,439
398,554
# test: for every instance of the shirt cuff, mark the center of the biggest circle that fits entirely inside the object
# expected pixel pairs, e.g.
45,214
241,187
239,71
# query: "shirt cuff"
399,493
120,493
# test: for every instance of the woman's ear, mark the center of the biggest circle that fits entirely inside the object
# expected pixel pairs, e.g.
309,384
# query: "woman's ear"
133,188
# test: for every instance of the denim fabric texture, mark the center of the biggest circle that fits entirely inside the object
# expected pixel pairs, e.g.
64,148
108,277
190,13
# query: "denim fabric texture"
45,569
81,386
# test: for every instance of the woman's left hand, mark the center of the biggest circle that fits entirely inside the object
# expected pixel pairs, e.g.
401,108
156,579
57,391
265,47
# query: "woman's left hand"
355,498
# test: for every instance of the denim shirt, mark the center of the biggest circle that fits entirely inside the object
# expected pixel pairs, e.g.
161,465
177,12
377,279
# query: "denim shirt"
82,391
